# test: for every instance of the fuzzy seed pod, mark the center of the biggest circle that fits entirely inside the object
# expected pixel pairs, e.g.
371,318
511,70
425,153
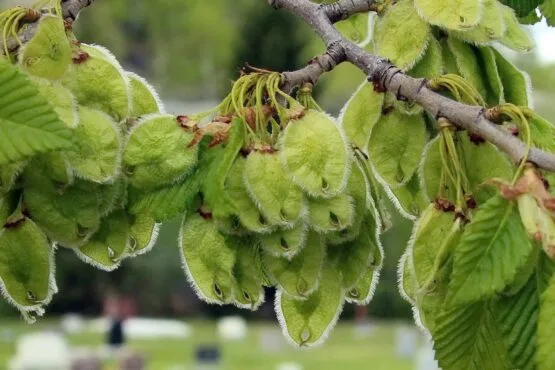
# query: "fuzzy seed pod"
314,153
157,152
99,82
48,53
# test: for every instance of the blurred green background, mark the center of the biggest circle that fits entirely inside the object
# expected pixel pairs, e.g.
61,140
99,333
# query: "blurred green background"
191,51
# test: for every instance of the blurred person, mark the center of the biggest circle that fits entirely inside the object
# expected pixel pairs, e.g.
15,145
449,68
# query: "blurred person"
117,309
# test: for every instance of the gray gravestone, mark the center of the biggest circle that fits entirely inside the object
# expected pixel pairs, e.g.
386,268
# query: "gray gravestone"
407,342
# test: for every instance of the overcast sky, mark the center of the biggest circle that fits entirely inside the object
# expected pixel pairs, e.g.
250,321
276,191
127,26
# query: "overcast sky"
545,40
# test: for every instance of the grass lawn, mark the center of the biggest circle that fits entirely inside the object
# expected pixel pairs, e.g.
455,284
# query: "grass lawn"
342,351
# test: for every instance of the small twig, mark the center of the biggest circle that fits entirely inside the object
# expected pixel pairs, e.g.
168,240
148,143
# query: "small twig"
344,9
72,8
315,68
70,12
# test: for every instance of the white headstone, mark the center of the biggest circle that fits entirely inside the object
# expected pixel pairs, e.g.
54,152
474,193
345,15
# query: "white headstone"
232,328
73,323
425,358
143,328
41,351
407,342
289,366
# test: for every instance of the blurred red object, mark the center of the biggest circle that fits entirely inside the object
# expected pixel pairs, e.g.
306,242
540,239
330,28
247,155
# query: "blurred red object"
120,307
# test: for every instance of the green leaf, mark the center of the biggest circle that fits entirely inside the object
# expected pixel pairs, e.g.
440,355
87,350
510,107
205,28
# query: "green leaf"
542,132
483,161
431,64
307,323
9,174
493,79
492,250
467,338
515,82
449,62
430,301
396,146
28,123
401,35
61,98
8,204
428,264
523,7
516,37
548,11
531,19
435,181
518,319
523,275
356,28
546,328
405,107
450,14
431,235
360,114
467,64
544,271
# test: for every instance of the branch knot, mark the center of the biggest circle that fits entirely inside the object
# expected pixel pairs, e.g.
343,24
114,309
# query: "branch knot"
343,9
336,54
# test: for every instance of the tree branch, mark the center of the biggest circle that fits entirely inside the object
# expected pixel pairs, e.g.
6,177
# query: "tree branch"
72,8
390,78
343,9
315,68
70,12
